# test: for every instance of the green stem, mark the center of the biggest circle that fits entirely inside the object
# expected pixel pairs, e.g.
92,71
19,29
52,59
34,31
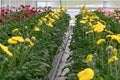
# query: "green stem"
108,71
116,78
102,57
24,56
13,59
111,70
1,68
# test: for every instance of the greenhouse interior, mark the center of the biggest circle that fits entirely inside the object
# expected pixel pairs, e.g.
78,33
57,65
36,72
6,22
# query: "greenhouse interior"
59,39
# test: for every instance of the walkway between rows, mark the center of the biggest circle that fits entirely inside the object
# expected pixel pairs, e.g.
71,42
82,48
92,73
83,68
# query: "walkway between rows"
60,60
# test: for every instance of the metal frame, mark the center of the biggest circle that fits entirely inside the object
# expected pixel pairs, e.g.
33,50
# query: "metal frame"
4,3
61,3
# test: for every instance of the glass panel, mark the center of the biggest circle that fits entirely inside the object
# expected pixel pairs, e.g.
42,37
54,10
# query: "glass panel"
48,3
113,3
65,3
41,4
72,3
57,3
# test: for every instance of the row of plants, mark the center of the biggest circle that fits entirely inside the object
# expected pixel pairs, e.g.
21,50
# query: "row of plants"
14,14
112,18
95,47
27,47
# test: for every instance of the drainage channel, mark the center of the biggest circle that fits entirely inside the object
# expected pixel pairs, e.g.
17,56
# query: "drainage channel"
60,59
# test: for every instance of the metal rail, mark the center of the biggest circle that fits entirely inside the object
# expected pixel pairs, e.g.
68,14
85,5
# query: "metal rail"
58,58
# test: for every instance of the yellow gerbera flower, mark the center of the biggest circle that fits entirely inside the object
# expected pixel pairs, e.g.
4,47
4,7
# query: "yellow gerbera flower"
15,40
49,24
56,16
47,16
34,38
89,58
99,27
36,29
5,49
51,14
100,41
51,20
86,74
26,27
90,24
113,59
95,17
109,32
44,19
11,41
83,21
115,51
114,37
29,41
88,32
15,30
85,17
39,22
18,38
84,10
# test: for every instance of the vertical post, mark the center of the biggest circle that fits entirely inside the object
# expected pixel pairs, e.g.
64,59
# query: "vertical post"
104,4
0,3
14,3
9,4
26,2
4,3
36,4
60,3
23,2
84,2
46,3
65,3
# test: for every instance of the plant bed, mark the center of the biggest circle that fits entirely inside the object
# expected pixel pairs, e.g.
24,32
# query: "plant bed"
31,44
95,48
